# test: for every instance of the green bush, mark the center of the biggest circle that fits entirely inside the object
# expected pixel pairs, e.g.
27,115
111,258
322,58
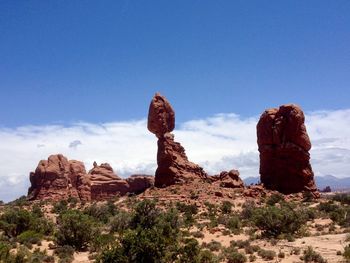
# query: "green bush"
275,198
346,253
75,229
235,257
274,221
65,253
234,224
29,237
102,241
226,207
101,212
153,235
342,198
114,254
189,252
60,207
120,222
311,256
213,245
267,254
206,256
15,221
338,214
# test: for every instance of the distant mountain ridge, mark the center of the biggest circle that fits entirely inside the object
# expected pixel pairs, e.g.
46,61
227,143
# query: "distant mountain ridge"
321,182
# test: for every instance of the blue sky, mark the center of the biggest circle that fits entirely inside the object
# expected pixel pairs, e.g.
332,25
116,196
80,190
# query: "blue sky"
101,61
77,77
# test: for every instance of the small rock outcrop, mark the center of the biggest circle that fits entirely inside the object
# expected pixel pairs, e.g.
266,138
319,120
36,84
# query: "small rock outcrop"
229,179
173,164
57,179
284,151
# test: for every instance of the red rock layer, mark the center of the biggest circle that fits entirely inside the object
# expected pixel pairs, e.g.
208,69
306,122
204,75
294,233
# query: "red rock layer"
284,151
173,164
57,179
229,179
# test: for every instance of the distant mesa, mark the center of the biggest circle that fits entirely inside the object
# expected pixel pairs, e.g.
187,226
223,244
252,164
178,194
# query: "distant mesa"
284,151
58,179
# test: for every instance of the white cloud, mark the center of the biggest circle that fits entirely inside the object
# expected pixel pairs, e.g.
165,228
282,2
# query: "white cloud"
220,142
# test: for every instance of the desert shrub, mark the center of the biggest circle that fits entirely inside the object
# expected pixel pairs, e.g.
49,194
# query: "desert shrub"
146,215
41,256
197,234
29,237
4,251
274,221
101,212
295,251
36,210
75,229
248,209
188,212
153,235
252,258
190,250
281,254
346,253
60,206
338,214
267,254
21,201
312,256
226,207
213,245
120,222
342,198
234,224
65,253
114,254
206,256
15,221
233,256
102,241
212,209
240,243
275,198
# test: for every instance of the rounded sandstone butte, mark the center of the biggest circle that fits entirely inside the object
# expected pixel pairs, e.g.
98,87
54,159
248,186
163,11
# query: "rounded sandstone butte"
284,150
161,116
57,178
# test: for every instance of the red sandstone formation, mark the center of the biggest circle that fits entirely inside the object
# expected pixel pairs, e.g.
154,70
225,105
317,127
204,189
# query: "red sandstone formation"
229,179
161,116
57,179
284,151
173,165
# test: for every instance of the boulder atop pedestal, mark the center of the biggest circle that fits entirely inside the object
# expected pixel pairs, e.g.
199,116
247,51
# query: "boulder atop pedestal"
173,164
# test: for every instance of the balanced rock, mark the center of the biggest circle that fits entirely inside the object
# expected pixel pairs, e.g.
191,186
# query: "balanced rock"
284,151
161,116
173,164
